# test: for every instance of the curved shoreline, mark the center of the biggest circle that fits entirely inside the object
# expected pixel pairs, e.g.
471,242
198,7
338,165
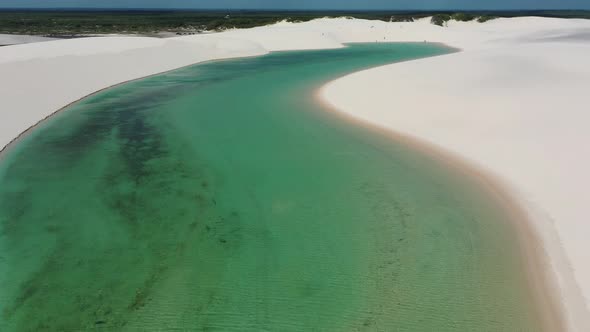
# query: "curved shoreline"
504,191
443,175
27,131
556,293
529,241
544,285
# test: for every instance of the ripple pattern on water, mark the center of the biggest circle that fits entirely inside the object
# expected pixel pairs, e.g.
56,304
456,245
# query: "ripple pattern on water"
221,197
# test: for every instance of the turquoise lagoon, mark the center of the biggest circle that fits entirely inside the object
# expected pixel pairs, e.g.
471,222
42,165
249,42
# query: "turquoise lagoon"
222,197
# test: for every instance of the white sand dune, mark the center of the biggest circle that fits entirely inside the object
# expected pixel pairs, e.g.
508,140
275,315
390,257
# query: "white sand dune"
513,103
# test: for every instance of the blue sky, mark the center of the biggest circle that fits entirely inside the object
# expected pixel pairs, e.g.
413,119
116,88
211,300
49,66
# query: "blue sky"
303,4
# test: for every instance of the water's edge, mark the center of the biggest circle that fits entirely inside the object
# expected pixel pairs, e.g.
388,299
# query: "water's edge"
14,141
539,271
531,247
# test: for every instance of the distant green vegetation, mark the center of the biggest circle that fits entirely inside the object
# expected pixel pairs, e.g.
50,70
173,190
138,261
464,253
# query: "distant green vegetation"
440,19
485,18
463,17
73,23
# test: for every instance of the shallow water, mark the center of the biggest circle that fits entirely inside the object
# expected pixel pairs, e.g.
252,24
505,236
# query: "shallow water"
221,197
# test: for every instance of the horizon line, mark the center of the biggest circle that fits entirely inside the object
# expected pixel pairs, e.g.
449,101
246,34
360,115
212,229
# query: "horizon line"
289,10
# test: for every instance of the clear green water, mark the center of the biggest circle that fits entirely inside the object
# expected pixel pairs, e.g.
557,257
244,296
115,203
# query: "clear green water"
221,197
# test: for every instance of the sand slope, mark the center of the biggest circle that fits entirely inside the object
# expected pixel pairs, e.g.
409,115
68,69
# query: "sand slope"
513,102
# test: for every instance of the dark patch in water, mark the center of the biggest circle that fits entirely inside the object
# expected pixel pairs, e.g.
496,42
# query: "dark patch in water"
16,204
140,173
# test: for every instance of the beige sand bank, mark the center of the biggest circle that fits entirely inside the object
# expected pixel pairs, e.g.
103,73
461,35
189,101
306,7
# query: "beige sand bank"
512,103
